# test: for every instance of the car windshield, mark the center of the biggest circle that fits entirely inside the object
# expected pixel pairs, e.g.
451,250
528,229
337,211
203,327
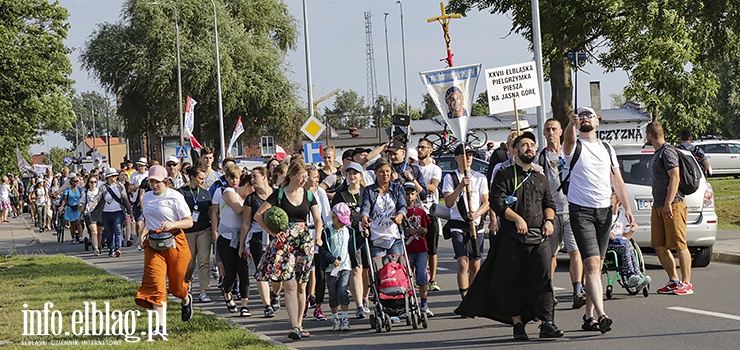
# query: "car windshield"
636,168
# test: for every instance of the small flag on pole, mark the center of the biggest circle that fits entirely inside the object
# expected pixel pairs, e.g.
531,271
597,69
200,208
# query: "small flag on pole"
237,131
190,116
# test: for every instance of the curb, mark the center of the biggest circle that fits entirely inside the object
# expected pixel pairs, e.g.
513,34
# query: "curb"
728,258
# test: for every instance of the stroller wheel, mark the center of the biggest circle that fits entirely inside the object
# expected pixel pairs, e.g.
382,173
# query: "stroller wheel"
388,324
372,321
609,292
424,320
414,320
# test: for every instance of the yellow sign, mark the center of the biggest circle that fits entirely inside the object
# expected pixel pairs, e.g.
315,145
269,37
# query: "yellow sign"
313,127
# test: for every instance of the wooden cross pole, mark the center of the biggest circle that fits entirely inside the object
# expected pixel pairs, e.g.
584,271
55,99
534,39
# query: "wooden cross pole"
444,20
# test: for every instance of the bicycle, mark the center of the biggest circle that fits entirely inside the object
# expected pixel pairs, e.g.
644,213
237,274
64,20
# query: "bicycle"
60,223
445,143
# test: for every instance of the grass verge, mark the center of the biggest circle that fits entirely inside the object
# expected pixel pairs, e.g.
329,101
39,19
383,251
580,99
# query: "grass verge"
68,283
726,201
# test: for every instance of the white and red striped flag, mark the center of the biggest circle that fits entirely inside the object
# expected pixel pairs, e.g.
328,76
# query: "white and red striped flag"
237,131
190,116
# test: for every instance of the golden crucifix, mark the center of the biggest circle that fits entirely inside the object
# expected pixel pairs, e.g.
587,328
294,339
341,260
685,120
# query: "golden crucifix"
444,20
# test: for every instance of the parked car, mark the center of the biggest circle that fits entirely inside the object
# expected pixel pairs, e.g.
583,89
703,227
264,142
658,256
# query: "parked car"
723,156
448,164
701,231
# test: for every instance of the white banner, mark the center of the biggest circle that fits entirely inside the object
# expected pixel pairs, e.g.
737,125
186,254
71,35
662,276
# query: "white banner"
190,116
517,81
453,90
237,131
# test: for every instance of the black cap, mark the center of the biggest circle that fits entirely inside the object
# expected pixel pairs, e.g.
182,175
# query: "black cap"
466,148
525,135
348,154
409,186
395,146
359,150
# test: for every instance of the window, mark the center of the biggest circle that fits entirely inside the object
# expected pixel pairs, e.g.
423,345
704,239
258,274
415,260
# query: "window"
636,169
717,148
734,148
267,145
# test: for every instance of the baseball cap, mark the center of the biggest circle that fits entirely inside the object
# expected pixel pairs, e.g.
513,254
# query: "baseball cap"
348,154
463,148
525,135
354,166
158,173
359,150
395,146
412,153
343,213
586,110
409,186
172,159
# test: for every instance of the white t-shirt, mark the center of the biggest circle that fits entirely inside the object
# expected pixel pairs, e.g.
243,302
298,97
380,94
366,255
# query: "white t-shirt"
382,226
430,172
111,205
619,224
168,206
228,217
324,208
136,180
478,188
211,177
4,192
40,196
590,179
88,198
554,176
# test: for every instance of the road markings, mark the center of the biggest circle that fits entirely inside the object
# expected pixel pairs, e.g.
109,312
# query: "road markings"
702,312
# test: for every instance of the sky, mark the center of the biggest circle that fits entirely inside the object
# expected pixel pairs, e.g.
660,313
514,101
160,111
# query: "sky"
337,43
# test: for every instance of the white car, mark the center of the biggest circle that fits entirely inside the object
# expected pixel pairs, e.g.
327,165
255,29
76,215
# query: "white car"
701,230
723,156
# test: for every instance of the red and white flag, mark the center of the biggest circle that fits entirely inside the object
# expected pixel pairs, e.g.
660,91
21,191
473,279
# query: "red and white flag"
280,153
190,116
237,131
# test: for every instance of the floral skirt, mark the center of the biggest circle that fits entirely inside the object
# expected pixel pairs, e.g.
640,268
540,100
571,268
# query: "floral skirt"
288,260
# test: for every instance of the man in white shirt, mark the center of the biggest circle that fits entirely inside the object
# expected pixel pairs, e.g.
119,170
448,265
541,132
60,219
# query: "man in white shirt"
468,249
592,176
205,162
137,179
432,177
173,172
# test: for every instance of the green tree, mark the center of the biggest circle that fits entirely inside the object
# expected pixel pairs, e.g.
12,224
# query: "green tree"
135,59
428,107
480,106
348,110
56,158
85,106
34,75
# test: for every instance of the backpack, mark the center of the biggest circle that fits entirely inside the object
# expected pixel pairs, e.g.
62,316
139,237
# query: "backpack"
281,193
393,279
565,183
690,174
698,154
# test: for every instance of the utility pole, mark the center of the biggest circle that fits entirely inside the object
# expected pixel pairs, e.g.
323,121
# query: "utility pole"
403,48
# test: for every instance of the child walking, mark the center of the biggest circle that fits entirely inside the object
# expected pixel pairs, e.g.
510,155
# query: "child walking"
416,243
338,252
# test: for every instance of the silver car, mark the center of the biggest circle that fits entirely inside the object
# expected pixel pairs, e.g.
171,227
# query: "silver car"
723,156
701,232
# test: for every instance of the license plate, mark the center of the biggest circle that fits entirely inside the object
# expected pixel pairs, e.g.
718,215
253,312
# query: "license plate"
643,204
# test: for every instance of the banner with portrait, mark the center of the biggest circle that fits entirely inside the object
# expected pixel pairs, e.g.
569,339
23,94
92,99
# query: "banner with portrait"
453,91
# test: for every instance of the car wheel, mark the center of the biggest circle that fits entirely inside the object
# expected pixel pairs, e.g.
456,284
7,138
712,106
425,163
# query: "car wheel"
702,258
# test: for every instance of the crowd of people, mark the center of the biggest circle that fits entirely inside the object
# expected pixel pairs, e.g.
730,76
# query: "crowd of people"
187,218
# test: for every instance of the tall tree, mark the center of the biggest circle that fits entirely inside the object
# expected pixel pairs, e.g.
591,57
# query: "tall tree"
34,75
480,106
348,110
428,107
135,59
87,105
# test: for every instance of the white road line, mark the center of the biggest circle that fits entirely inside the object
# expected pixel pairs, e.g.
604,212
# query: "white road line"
439,268
702,312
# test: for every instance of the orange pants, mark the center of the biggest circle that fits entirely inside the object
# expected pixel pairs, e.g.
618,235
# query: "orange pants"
160,265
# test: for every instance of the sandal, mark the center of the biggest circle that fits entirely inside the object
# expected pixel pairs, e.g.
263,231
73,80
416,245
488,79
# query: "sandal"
244,312
590,324
605,324
295,333
230,304
305,333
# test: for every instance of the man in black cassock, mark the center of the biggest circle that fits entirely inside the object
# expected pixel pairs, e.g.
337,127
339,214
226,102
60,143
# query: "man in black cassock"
514,284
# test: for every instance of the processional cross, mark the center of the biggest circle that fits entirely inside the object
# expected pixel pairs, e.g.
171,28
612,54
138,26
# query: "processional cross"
444,20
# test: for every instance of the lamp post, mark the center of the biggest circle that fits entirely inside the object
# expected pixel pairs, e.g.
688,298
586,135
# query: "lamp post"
92,116
218,76
179,74
388,62
308,63
403,48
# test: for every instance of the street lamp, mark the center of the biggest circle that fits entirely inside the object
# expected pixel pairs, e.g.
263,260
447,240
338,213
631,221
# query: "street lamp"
388,62
179,74
308,63
218,75
403,48
92,116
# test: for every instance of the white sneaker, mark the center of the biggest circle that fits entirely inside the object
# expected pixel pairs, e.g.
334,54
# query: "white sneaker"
425,310
633,280
644,282
345,324
335,324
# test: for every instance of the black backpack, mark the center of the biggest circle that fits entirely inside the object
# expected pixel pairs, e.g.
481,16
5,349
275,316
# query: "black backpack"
690,174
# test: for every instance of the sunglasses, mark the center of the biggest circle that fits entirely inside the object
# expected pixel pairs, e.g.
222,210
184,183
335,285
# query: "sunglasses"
171,164
586,115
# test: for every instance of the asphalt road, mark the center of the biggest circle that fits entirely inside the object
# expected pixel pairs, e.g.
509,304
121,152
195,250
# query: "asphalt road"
658,321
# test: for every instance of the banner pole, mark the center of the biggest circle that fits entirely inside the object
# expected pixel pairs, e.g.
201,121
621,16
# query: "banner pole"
466,172
516,117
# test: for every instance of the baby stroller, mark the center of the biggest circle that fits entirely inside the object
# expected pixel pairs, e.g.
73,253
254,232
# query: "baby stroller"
393,286
613,263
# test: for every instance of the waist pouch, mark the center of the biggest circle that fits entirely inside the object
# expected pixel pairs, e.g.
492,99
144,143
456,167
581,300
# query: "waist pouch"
74,207
160,240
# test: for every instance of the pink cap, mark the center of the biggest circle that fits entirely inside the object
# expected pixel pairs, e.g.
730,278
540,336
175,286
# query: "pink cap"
343,213
158,173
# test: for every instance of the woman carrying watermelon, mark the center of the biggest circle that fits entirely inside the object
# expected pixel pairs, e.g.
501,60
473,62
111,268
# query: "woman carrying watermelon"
290,256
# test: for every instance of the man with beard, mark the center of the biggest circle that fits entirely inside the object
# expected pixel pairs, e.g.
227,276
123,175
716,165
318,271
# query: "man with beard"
514,284
404,172
594,171
432,174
